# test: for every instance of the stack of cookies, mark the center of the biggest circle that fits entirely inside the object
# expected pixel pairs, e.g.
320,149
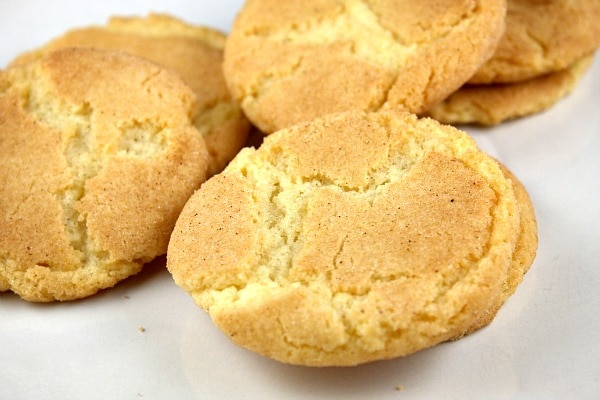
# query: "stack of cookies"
356,232
546,49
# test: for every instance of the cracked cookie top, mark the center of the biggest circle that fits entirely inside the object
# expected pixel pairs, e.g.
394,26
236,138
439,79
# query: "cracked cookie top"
194,52
542,36
347,239
99,156
292,61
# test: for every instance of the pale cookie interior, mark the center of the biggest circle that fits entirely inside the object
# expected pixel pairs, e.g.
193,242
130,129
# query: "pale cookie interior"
349,239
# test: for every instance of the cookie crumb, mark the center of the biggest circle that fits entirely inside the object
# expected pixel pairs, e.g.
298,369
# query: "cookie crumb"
399,388
142,329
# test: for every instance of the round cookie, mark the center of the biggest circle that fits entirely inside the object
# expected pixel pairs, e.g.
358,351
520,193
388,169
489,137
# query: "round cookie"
494,103
99,157
292,61
194,52
347,239
542,36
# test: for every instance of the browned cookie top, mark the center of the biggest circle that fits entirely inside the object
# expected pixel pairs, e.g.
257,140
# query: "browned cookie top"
295,60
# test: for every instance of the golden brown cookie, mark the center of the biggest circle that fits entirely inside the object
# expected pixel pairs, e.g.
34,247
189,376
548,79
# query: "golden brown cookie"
291,61
494,103
99,155
542,36
194,52
348,239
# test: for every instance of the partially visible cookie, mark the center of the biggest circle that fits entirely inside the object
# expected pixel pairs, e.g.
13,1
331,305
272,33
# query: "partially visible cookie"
292,61
542,36
194,52
494,103
351,238
99,155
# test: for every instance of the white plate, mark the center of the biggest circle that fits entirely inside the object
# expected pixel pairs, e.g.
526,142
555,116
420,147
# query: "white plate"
145,339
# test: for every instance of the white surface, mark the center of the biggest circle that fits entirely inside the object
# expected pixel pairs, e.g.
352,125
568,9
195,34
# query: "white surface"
543,344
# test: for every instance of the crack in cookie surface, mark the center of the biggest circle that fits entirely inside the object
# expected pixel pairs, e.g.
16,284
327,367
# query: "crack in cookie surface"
86,153
194,52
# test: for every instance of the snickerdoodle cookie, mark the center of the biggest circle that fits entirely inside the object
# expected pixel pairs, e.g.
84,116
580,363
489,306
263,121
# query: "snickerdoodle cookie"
491,104
194,52
292,61
99,155
350,238
542,36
